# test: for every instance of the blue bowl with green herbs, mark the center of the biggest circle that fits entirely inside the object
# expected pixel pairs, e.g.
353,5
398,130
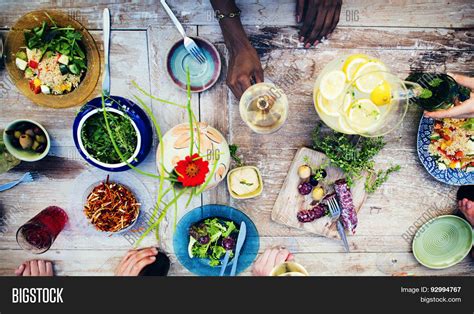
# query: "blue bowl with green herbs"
215,226
131,129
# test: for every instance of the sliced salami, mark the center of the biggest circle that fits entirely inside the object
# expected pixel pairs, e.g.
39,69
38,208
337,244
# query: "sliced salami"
348,212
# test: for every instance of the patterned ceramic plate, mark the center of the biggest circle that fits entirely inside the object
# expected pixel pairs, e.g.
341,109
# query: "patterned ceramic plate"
448,176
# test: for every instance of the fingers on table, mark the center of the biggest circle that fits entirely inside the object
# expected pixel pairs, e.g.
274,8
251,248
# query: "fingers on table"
27,270
282,256
464,110
320,20
138,260
316,32
467,204
42,267
239,84
19,270
299,10
463,80
49,268
34,268
309,19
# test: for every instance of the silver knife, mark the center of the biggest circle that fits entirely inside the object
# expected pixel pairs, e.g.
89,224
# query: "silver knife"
240,243
342,233
224,263
106,34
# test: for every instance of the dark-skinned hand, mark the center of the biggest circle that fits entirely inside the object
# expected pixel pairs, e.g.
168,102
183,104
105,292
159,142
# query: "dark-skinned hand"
244,68
319,18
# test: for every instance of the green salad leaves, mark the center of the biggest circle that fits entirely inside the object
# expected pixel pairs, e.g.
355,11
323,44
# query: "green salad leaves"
98,143
212,238
65,40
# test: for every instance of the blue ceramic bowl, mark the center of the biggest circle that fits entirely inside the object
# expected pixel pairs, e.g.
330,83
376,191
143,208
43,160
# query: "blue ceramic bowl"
448,176
122,106
202,76
200,266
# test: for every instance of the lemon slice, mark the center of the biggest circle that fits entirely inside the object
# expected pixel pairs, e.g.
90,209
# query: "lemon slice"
363,114
369,75
328,107
352,63
348,99
344,127
332,84
382,94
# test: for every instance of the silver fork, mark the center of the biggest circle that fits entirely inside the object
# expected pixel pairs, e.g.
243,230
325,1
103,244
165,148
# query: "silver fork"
189,44
335,212
27,177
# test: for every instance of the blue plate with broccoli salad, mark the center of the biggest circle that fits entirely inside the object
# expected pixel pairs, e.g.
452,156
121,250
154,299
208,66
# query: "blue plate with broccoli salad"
204,234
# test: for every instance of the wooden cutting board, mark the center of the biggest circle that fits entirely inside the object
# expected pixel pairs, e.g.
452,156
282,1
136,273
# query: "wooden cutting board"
289,201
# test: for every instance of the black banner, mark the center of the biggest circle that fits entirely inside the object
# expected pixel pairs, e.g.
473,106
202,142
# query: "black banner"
219,295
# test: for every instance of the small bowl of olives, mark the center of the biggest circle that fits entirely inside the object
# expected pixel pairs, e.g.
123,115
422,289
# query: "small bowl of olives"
27,140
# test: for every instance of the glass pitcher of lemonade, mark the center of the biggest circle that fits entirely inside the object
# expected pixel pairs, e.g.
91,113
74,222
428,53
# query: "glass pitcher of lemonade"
357,94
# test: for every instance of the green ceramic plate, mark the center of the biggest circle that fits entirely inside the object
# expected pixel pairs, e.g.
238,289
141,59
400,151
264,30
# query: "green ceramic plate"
442,242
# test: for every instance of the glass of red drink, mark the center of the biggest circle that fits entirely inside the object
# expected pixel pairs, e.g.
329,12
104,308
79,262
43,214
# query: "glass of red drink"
39,233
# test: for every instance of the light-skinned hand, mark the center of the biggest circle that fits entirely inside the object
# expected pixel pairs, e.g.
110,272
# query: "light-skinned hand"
461,110
135,260
270,259
35,268
467,208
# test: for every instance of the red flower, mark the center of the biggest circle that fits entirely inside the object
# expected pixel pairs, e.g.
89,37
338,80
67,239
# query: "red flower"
192,170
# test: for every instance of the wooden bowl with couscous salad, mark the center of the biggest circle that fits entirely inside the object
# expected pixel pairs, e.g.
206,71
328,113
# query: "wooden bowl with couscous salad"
52,59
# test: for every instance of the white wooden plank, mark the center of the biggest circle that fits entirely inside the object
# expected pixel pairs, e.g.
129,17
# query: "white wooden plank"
141,14
104,262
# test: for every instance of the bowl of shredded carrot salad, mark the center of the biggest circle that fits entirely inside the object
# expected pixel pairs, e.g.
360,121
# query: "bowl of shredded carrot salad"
111,207
110,203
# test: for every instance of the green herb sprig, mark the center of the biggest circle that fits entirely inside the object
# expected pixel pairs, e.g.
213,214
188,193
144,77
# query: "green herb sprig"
355,159
376,179
161,207
233,154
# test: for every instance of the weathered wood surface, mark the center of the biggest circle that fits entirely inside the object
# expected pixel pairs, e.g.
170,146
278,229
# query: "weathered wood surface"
141,14
405,35
289,202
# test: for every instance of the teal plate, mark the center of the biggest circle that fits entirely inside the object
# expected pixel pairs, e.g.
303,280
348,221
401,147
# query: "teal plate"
442,242
200,266
202,76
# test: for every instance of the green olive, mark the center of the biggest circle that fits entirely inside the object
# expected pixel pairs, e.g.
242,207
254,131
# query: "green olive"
17,134
35,145
40,139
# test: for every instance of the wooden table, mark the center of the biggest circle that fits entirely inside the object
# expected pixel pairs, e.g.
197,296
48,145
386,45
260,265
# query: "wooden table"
406,35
